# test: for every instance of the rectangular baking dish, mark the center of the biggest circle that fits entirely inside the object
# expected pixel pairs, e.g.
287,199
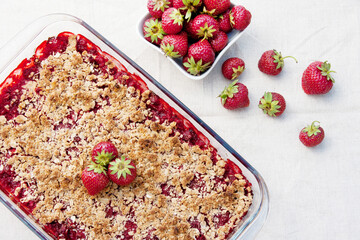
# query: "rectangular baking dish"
23,46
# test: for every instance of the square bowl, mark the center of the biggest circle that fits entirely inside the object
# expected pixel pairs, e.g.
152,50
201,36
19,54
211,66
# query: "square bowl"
233,36
23,45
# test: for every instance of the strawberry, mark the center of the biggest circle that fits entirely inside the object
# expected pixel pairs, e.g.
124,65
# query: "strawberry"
199,58
317,78
187,7
219,42
122,171
271,62
240,17
205,26
172,21
224,22
232,68
94,178
190,30
312,135
272,104
103,153
217,6
157,7
153,31
235,96
175,46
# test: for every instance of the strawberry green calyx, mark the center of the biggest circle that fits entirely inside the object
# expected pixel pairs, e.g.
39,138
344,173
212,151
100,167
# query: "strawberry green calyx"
208,12
232,20
190,6
161,5
325,71
195,68
169,50
237,71
269,106
229,92
177,17
97,168
154,30
121,167
279,59
206,31
312,129
103,158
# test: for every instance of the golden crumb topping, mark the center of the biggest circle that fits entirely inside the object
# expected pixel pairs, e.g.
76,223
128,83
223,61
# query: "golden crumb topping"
69,107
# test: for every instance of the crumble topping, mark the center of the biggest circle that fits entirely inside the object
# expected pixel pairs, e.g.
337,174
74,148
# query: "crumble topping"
67,109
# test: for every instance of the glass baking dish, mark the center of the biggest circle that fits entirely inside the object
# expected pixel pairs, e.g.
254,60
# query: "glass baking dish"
23,45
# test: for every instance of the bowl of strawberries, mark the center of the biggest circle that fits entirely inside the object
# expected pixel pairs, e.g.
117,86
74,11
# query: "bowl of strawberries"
193,34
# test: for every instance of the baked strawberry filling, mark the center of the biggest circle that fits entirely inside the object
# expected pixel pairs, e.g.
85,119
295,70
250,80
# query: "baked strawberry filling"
56,105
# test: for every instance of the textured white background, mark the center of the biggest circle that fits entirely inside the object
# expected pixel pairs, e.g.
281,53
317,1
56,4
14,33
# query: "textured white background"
314,192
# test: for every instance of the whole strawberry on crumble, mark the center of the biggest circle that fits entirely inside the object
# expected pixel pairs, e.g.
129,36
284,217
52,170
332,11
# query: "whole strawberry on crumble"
69,96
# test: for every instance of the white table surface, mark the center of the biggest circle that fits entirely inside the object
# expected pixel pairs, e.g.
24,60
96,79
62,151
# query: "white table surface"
314,192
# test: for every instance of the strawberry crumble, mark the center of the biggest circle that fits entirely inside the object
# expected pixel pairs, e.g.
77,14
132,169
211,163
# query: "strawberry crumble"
70,95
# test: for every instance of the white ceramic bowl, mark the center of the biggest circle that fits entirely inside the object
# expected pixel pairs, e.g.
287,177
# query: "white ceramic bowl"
233,36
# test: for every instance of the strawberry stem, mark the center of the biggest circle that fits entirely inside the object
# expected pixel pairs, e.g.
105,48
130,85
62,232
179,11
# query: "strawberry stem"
121,167
269,106
279,59
195,68
97,168
161,5
229,92
190,7
103,158
326,72
154,30
168,49
177,17
206,32
236,72
290,57
312,129
208,12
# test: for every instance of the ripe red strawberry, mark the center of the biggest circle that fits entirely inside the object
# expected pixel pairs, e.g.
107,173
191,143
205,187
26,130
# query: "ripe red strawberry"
232,68
219,6
103,153
172,21
235,96
240,17
122,171
272,104
175,46
190,30
224,22
312,135
317,78
178,4
187,7
272,62
219,42
199,58
94,178
157,7
205,26
153,31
